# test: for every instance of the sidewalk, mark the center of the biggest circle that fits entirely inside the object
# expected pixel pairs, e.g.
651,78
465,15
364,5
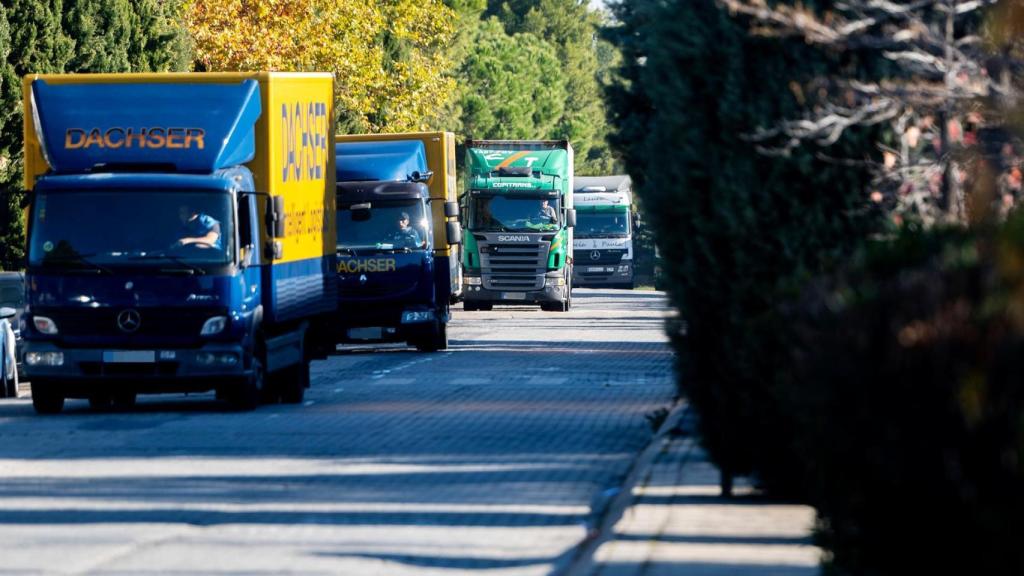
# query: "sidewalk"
676,523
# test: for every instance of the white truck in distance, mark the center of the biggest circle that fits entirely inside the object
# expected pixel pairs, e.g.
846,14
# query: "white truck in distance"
603,242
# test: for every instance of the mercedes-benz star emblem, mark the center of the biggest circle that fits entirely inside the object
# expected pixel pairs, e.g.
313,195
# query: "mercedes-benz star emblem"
129,320
595,255
362,278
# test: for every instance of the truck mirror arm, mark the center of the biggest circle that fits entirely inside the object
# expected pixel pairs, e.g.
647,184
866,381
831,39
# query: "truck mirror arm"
423,176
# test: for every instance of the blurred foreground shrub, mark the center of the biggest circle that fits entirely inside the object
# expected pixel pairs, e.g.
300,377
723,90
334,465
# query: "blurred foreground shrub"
907,402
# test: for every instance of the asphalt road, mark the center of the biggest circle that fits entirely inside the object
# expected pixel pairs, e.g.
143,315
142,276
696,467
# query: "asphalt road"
494,456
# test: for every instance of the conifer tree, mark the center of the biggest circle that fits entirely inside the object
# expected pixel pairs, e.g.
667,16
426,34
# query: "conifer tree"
54,36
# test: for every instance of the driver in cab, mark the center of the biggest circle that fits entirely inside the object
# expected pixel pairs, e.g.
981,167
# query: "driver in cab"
406,236
546,213
197,229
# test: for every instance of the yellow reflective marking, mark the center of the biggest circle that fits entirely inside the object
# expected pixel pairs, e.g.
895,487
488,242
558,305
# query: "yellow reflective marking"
368,265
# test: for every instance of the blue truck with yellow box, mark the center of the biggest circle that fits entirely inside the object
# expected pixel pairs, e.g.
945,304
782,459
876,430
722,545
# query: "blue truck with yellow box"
398,238
180,235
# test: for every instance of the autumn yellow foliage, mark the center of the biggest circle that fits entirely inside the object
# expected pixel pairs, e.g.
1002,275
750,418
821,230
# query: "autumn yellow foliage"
387,55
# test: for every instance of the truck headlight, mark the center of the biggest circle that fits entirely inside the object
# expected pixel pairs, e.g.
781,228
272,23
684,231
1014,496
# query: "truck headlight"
413,316
560,281
472,280
44,325
44,358
623,268
214,325
222,358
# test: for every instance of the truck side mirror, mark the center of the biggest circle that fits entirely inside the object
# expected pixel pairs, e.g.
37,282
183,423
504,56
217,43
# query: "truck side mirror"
277,217
570,217
451,209
454,233
248,256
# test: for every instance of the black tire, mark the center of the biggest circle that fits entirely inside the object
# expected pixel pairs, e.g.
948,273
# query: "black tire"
469,306
293,382
247,392
46,398
14,384
101,402
567,305
124,400
485,307
10,386
436,340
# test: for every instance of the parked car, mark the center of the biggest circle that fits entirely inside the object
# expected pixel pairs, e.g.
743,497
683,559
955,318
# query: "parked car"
8,359
12,304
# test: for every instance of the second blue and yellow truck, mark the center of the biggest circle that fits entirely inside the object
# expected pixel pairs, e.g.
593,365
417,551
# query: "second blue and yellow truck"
398,238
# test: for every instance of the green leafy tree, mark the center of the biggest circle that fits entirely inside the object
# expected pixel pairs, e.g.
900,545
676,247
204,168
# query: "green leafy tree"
511,85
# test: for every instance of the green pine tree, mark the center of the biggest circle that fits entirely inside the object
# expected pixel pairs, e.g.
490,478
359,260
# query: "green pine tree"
572,28
101,30
158,42
511,85
53,36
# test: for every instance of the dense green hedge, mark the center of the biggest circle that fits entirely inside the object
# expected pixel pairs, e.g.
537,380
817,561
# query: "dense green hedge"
907,399
736,230
879,380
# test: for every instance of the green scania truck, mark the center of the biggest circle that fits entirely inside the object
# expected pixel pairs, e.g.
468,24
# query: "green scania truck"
518,224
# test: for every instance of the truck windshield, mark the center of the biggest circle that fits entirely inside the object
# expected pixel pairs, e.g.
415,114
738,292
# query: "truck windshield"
130,228
393,225
601,224
515,214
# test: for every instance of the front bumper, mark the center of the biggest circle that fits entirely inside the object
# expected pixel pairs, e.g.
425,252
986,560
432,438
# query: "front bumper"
604,275
86,370
353,317
549,293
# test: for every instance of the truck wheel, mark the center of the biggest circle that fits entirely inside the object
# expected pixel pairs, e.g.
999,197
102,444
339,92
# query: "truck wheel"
46,399
11,385
246,394
293,383
485,307
469,306
101,402
124,400
436,340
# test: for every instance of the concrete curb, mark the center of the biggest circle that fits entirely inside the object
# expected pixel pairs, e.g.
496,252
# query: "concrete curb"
579,560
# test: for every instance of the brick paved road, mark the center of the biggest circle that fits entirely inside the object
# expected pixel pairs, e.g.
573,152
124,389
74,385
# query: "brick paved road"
488,457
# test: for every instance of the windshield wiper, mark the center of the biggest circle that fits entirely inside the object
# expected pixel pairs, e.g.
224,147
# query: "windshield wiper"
80,259
176,259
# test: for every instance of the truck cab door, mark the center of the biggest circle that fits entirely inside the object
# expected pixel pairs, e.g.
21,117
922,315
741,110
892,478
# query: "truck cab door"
249,253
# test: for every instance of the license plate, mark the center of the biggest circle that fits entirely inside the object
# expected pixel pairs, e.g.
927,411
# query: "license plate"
129,356
373,333
514,295
595,269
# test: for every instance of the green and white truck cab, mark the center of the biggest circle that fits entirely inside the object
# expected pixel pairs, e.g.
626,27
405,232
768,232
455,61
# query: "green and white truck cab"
518,224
